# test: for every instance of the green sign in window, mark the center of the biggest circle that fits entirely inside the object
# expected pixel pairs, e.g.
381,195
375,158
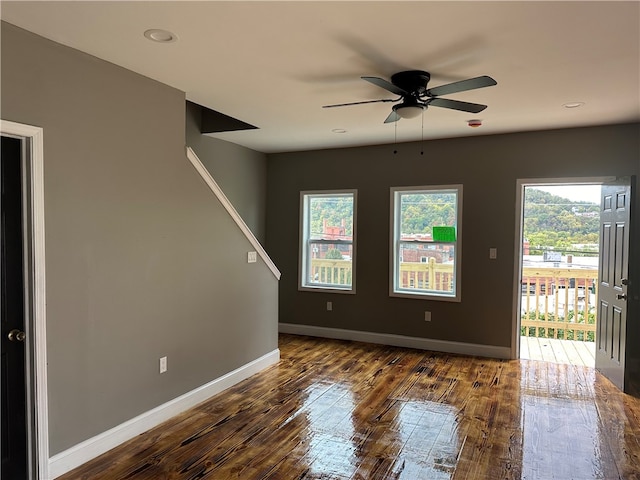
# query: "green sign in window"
444,234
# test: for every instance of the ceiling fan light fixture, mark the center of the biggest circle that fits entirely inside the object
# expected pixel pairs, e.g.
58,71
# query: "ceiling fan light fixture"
409,111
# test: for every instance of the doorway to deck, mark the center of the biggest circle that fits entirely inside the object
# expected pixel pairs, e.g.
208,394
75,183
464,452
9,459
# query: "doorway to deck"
559,260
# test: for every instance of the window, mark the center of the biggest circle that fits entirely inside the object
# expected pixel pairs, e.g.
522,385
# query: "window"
327,249
425,242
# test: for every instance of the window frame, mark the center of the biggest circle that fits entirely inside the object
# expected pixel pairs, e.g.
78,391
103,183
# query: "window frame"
394,243
303,261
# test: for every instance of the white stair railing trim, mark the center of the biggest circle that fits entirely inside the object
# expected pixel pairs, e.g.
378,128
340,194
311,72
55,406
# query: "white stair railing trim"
215,188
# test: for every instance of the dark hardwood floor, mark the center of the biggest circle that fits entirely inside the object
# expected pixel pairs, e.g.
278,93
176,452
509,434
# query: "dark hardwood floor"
346,410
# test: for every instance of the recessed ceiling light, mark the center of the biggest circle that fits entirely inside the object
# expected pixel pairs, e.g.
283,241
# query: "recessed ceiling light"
161,36
339,130
573,104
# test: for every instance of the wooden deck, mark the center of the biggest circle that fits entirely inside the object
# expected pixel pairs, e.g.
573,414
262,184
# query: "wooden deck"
338,410
567,352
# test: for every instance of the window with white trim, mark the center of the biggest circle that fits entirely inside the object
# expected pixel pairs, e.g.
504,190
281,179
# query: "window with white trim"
327,240
425,243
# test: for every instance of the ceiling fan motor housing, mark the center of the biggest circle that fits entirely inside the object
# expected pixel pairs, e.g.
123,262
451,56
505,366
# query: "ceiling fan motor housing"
412,81
409,102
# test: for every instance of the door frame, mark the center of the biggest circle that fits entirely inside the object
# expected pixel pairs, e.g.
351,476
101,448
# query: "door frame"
521,183
35,307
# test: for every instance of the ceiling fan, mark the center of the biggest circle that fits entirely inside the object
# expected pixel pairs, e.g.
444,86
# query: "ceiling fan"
415,97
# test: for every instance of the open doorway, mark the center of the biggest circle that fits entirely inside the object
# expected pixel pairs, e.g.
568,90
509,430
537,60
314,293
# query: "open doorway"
558,271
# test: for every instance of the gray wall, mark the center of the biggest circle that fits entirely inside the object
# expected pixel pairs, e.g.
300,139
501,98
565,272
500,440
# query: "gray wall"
141,259
488,167
240,172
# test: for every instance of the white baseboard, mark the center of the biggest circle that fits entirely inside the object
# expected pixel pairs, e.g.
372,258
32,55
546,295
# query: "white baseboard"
75,456
473,349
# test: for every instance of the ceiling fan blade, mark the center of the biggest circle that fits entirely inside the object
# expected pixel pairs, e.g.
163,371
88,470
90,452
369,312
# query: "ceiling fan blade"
382,83
393,117
457,105
359,103
461,86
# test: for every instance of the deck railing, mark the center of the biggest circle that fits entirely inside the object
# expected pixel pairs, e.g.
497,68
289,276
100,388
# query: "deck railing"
429,275
331,271
559,303
556,302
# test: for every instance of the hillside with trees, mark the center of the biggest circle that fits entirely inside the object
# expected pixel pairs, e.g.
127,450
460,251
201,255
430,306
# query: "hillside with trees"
420,212
335,209
555,222
551,221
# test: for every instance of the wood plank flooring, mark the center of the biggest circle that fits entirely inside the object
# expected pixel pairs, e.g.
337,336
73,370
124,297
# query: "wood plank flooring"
346,410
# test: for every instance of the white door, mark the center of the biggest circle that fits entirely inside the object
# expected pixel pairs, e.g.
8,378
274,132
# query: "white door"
612,281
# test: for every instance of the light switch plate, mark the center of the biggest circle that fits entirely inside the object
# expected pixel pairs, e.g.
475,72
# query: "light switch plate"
493,253
163,364
252,257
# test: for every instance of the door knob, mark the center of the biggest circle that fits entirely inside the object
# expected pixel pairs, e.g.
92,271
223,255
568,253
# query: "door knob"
621,296
16,335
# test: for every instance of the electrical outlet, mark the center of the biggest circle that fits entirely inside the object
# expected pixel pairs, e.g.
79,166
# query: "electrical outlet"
252,257
427,316
329,306
163,364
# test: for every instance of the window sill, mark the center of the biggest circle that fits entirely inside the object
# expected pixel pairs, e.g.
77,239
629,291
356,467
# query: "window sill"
327,289
425,296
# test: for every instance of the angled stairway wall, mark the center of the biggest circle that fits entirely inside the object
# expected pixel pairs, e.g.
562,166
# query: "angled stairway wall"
142,260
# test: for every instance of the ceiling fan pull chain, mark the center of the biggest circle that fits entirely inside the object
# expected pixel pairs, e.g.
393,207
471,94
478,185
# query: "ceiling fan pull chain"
395,138
422,137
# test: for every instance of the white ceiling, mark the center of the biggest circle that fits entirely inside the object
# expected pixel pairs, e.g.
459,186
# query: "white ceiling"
274,64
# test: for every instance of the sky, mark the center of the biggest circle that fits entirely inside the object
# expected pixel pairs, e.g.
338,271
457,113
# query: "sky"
576,193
